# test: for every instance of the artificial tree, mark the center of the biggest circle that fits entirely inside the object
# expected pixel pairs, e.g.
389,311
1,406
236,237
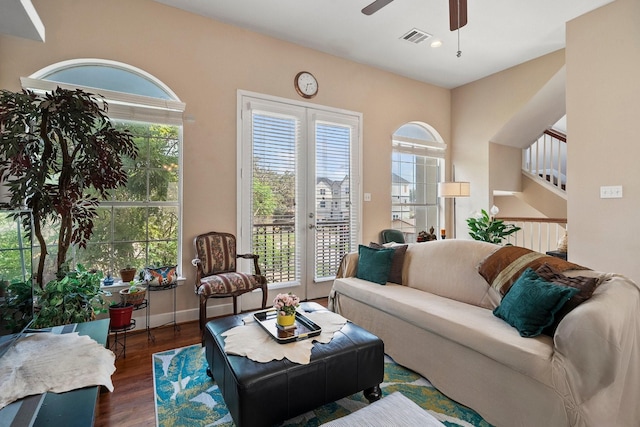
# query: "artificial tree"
59,156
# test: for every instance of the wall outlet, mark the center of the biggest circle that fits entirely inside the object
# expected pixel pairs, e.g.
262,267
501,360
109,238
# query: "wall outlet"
611,192
367,197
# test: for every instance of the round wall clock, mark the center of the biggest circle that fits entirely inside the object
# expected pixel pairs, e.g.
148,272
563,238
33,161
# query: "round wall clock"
306,84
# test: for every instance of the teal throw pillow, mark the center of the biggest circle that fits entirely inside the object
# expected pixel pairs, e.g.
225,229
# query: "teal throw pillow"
532,302
374,265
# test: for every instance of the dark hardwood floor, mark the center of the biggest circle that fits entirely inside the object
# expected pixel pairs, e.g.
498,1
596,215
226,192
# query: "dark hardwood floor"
131,403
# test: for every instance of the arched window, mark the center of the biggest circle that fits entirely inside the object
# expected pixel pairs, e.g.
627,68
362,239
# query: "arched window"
416,168
140,224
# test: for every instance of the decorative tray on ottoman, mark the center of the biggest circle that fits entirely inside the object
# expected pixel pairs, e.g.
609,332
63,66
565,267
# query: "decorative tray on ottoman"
303,328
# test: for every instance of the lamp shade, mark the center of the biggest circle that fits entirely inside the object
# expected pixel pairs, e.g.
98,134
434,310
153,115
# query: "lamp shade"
454,189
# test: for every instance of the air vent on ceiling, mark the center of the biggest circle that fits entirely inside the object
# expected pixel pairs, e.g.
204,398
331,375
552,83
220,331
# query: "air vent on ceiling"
416,36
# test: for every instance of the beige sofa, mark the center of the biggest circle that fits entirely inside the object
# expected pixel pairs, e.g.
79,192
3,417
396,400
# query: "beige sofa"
440,324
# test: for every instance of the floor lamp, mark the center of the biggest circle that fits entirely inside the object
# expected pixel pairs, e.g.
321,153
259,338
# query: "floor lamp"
453,190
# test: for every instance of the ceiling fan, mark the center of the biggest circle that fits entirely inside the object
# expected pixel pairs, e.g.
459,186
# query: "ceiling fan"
457,11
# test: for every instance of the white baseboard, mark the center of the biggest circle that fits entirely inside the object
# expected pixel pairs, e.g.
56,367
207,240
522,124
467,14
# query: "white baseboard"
192,314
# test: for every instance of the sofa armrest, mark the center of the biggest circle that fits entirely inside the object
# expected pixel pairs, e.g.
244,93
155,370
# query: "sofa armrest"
348,266
595,342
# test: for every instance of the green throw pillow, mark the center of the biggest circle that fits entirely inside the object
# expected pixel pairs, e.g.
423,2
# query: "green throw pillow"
374,265
532,302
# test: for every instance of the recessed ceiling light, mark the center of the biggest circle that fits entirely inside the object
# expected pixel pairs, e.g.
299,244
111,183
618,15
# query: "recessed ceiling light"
436,43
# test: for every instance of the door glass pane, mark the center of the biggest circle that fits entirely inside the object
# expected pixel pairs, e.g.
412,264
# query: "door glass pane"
333,205
273,195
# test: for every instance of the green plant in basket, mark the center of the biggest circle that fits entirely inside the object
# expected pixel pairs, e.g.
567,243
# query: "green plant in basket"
74,298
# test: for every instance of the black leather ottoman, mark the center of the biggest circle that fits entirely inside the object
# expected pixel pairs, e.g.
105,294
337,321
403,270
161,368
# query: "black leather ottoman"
262,394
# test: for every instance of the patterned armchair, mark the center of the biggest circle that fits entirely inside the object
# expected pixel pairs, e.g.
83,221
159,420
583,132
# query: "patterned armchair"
216,272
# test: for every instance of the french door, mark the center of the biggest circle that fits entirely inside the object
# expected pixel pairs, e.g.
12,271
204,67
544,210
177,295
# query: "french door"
298,191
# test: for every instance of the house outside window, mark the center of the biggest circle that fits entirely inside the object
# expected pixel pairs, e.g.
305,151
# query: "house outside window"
417,166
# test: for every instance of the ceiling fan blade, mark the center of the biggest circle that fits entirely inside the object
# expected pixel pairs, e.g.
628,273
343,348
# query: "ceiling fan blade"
375,6
457,20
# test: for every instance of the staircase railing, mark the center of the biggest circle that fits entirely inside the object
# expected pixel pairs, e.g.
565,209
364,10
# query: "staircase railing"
546,159
538,234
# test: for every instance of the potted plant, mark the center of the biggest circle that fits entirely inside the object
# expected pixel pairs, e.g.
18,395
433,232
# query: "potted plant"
134,294
285,305
75,298
59,156
127,274
120,315
489,229
16,305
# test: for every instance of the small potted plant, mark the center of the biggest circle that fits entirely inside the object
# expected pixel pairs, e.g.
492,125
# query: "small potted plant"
134,294
488,228
120,315
286,305
127,274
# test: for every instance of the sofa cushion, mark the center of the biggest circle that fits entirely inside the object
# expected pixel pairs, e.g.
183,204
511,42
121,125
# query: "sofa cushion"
374,265
532,302
503,267
395,274
586,285
438,267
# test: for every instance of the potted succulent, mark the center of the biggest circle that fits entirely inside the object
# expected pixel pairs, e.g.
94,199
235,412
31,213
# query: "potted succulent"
134,294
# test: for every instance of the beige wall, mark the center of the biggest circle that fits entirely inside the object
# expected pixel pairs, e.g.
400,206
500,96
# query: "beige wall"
505,168
479,111
205,63
603,112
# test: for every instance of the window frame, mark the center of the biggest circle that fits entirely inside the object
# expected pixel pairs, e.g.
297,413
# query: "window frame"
433,148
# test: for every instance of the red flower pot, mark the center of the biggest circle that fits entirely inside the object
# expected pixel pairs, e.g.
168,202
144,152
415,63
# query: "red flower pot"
120,315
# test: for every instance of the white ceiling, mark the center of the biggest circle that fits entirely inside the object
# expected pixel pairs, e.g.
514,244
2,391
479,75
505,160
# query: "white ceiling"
499,33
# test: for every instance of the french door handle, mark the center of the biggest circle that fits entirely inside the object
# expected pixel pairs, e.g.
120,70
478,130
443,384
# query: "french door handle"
312,226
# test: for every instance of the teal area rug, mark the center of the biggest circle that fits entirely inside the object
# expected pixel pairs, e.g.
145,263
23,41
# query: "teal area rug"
186,396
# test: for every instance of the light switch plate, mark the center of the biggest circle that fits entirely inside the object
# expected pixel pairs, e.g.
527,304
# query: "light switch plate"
611,192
